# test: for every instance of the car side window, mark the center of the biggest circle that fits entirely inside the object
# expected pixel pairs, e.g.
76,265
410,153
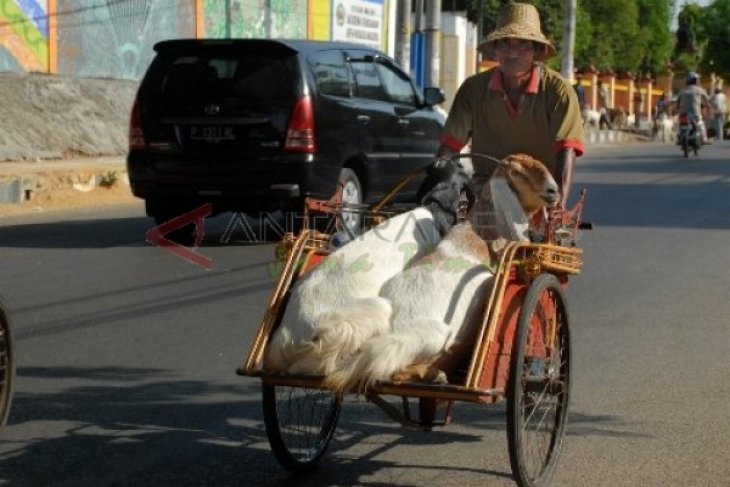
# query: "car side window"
331,73
397,86
367,80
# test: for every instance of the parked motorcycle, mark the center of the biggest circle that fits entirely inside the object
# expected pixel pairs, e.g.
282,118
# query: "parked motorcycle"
689,134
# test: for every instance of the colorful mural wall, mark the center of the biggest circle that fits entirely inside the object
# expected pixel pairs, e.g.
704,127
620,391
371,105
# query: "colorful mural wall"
114,38
272,19
23,35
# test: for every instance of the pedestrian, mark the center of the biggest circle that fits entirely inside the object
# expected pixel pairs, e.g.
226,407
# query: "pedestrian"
604,120
718,102
580,90
519,106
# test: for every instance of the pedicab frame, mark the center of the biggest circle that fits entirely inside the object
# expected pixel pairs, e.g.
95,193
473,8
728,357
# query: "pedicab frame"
522,352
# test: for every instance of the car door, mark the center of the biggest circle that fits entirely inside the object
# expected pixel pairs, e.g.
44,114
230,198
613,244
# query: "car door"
380,133
420,126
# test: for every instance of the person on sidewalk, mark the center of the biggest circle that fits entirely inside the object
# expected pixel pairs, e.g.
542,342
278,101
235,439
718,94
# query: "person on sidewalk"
718,103
604,120
580,91
691,100
519,106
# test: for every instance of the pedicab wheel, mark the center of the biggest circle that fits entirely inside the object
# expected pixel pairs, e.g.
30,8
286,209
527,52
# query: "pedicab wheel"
300,423
539,384
7,365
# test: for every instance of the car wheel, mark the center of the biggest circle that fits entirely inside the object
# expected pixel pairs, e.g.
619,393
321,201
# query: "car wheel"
352,199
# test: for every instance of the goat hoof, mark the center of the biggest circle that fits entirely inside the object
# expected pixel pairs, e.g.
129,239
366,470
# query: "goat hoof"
440,378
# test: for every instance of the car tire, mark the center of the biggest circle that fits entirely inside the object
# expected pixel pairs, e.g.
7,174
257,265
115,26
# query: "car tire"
351,196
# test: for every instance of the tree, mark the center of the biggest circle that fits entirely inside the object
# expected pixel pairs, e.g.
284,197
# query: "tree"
716,31
607,33
655,35
691,37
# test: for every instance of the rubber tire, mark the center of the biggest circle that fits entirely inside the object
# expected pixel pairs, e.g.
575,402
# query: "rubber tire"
515,388
351,193
685,147
7,365
282,451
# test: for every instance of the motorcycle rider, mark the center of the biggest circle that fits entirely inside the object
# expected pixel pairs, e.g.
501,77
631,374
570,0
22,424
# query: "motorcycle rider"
691,100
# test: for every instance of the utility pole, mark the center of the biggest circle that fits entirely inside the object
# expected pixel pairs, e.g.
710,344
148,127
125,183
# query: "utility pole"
566,68
433,43
480,33
403,35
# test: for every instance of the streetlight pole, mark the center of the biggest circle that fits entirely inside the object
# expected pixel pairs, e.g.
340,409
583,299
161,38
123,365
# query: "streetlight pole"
566,68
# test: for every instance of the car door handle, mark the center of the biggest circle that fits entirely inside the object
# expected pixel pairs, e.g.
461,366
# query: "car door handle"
363,119
403,122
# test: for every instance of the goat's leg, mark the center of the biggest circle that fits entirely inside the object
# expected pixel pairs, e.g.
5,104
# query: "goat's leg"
421,373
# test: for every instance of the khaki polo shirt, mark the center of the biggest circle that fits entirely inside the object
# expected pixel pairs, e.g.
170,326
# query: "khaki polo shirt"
546,119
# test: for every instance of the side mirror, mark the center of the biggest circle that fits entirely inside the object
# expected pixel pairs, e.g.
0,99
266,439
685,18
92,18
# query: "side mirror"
433,96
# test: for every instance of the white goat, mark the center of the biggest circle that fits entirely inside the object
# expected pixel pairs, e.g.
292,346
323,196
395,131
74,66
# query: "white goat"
335,306
438,301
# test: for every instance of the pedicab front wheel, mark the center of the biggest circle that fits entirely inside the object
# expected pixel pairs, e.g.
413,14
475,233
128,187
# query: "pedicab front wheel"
300,423
539,384
7,365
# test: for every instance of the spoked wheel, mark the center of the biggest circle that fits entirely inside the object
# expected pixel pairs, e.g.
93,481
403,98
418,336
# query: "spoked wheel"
300,423
351,197
685,147
539,384
7,365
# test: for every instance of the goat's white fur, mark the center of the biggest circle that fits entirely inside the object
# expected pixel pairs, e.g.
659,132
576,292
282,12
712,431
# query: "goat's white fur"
335,306
438,300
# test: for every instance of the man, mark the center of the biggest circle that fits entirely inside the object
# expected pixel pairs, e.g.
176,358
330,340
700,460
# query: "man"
520,106
580,91
719,109
691,100
603,106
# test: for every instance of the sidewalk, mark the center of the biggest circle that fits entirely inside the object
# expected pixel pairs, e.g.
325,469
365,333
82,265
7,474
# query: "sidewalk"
44,185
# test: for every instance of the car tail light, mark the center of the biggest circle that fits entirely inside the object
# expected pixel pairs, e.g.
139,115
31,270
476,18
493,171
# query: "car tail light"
136,136
300,132
683,118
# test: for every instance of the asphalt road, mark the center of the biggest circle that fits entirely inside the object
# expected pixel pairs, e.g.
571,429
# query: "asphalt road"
126,353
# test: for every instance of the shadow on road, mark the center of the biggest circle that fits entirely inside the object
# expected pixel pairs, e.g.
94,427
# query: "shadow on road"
143,427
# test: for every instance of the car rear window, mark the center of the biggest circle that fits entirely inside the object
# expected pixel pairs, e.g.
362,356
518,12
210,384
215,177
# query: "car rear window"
243,75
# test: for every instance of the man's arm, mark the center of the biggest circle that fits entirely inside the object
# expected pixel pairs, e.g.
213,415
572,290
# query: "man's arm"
564,172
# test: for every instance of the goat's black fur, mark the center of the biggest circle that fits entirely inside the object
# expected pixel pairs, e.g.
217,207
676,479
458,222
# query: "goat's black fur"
442,191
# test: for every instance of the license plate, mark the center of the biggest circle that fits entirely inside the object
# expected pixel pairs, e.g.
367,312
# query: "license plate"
212,134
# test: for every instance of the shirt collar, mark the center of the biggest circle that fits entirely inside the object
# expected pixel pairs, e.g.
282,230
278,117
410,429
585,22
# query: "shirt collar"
532,85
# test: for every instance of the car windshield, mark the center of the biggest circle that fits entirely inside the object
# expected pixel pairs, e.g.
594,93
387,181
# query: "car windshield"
243,75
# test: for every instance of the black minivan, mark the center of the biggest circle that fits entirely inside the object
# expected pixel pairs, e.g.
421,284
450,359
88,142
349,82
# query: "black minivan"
255,126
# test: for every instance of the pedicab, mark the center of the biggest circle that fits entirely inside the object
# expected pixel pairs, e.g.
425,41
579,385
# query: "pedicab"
522,353
7,365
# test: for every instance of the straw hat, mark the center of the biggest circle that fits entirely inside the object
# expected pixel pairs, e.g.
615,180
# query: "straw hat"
517,21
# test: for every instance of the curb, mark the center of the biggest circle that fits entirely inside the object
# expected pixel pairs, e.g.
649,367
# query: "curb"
22,182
